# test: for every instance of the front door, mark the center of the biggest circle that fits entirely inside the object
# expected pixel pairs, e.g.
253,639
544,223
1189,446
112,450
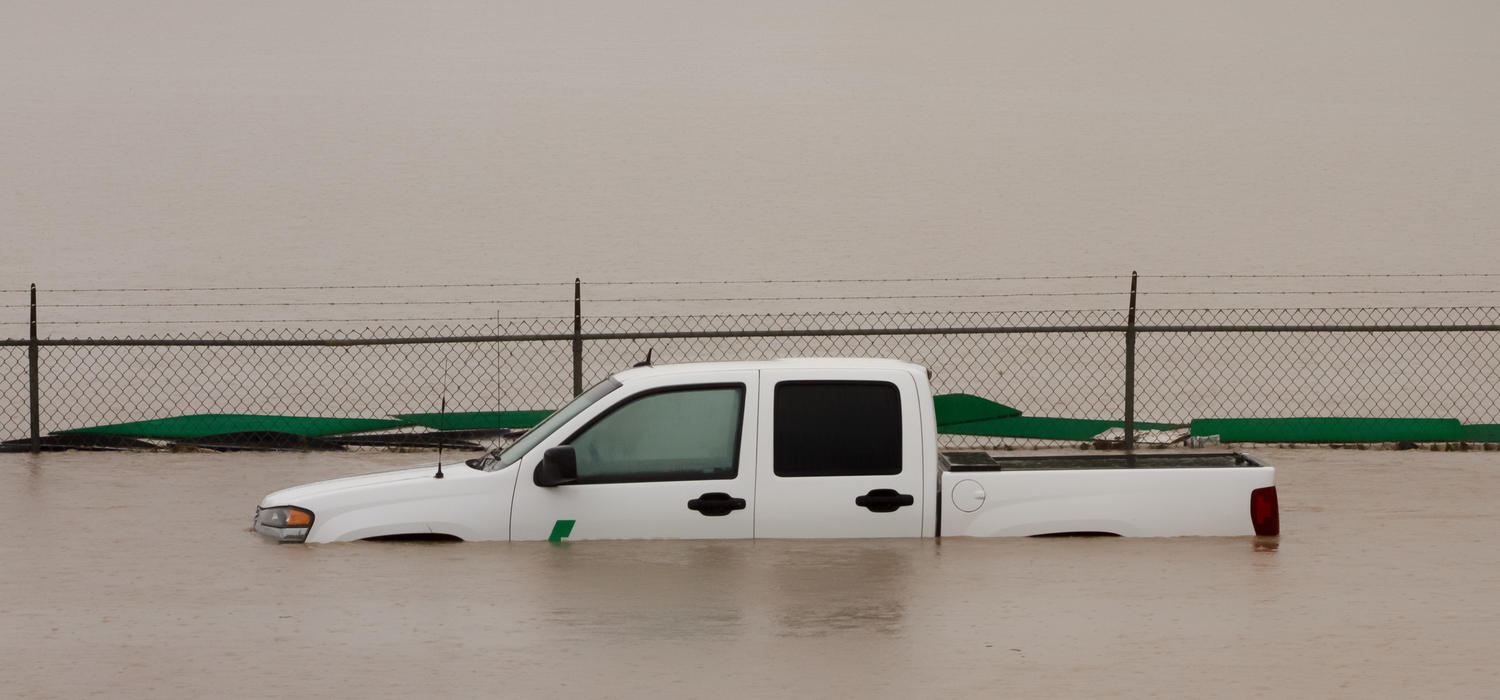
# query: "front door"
662,462
841,455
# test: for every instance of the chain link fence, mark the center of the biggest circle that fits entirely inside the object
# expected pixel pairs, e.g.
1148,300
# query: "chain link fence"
1190,363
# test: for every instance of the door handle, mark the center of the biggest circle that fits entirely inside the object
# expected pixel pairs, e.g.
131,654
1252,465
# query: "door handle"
884,500
716,503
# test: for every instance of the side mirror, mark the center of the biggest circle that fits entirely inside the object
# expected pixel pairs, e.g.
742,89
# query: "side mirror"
559,466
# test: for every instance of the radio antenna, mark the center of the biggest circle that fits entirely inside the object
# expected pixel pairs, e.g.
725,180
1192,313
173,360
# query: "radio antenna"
442,413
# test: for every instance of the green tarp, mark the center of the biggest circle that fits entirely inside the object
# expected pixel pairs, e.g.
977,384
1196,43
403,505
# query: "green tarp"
1482,433
480,420
1330,429
957,414
1040,428
206,424
967,408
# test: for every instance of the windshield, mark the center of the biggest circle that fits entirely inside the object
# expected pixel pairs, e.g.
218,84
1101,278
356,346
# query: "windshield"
553,422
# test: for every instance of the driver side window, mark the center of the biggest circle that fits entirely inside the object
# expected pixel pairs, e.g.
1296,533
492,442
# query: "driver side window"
676,435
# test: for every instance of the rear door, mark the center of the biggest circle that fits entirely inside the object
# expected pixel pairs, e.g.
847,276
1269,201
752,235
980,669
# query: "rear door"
667,461
840,454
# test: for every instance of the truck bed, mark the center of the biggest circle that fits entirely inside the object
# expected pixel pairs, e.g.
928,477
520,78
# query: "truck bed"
1140,495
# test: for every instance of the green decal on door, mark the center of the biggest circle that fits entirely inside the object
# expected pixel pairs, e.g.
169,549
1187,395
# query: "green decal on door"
560,530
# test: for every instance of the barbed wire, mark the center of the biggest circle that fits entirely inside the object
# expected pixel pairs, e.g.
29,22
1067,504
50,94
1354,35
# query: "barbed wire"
1322,276
1043,294
853,280
848,280
569,283
592,300
850,297
301,287
413,319
1326,292
259,304
784,314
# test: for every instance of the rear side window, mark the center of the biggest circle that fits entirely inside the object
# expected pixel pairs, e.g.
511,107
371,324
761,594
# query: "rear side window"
837,429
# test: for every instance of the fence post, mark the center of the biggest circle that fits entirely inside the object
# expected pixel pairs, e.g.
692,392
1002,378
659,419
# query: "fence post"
32,353
577,336
1130,369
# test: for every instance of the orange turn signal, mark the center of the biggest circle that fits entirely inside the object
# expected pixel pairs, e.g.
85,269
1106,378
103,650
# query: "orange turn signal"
298,518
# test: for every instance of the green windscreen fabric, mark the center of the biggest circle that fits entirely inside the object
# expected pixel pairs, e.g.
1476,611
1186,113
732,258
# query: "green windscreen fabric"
479,420
1040,428
1330,429
206,424
966,408
1482,433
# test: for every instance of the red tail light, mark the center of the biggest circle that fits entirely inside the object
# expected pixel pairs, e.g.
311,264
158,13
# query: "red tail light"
1264,512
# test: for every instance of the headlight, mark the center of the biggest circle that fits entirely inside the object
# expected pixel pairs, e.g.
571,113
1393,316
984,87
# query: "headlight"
284,523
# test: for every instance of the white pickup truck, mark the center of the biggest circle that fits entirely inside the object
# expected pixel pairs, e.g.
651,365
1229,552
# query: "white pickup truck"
785,448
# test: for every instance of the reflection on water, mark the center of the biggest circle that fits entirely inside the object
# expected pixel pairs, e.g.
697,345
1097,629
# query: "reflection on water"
633,622
847,587
654,590
683,590
821,620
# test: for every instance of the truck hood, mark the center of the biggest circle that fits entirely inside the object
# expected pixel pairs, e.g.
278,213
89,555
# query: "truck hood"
465,503
308,495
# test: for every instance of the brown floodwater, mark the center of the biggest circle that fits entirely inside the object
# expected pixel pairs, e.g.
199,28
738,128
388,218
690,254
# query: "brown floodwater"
137,575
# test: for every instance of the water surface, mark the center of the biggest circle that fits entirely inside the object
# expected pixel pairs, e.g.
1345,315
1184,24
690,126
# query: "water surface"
137,575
